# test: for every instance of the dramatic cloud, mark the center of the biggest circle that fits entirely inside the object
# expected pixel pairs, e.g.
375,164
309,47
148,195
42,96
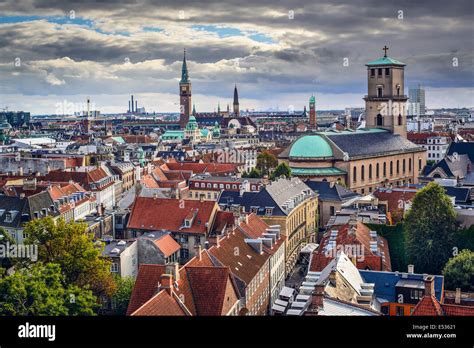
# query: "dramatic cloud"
278,52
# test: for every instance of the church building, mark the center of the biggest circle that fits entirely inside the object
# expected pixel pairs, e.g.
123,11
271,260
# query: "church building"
370,157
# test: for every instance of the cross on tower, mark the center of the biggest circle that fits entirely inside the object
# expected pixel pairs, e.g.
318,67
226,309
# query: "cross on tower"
385,49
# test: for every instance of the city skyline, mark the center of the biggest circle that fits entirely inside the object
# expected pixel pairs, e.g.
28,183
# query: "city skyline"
277,54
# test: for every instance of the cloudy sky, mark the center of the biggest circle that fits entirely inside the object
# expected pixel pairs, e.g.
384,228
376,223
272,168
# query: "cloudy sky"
277,52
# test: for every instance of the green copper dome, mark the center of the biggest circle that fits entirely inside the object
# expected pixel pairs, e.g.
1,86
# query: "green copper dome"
312,100
311,146
385,61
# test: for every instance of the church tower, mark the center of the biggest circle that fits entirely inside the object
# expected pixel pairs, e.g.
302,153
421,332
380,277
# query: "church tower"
312,112
184,94
236,102
385,102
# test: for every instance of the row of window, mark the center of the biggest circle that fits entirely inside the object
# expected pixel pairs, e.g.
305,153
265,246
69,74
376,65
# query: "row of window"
221,186
379,120
384,169
379,72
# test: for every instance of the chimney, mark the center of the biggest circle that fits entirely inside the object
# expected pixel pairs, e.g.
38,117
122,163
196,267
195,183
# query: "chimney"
217,241
166,283
429,286
136,105
457,298
198,252
332,278
411,269
317,297
132,103
129,106
173,270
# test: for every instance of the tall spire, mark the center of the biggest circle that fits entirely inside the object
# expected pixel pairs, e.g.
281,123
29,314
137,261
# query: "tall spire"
236,102
236,96
184,70
219,108
194,110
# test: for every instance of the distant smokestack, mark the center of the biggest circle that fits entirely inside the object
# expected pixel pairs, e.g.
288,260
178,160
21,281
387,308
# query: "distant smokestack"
136,105
129,106
132,103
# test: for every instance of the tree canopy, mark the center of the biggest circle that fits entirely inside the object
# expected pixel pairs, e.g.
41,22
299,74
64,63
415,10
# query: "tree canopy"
281,169
459,271
430,227
73,249
39,290
266,162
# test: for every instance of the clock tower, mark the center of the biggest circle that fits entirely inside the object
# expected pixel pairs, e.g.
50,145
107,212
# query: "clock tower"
184,94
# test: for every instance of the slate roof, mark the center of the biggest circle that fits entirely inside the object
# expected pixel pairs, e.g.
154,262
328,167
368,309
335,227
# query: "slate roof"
453,167
462,148
370,144
385,283
462,195
327,193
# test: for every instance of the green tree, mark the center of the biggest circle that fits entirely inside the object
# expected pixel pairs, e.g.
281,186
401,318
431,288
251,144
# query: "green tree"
459,271
266,162
39,290
254,173
73,248
281,169
121,298
430,227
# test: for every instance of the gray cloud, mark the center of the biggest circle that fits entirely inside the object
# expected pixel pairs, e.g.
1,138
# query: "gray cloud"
305,56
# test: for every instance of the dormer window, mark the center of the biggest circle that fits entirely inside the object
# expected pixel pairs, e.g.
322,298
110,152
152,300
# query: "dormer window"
268,211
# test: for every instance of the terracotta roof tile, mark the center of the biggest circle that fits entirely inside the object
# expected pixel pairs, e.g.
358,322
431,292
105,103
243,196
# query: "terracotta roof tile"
145,286
153,214
208,286
161,304
347,240
167,245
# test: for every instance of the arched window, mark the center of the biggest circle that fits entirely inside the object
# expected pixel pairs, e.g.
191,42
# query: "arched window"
379,120
384,169
409,165
362,174
400,120
354,173
391,168
403,166
370,171
377,171
398,166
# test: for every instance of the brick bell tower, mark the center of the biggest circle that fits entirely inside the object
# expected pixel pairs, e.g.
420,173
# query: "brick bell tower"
184,94
385,102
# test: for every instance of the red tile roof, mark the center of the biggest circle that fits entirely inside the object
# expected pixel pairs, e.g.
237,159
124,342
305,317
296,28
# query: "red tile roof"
396,200
430,306
347,239
224,219
201,290
145,286
167,245
199,168
246,263
153,214
208,286
161,304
